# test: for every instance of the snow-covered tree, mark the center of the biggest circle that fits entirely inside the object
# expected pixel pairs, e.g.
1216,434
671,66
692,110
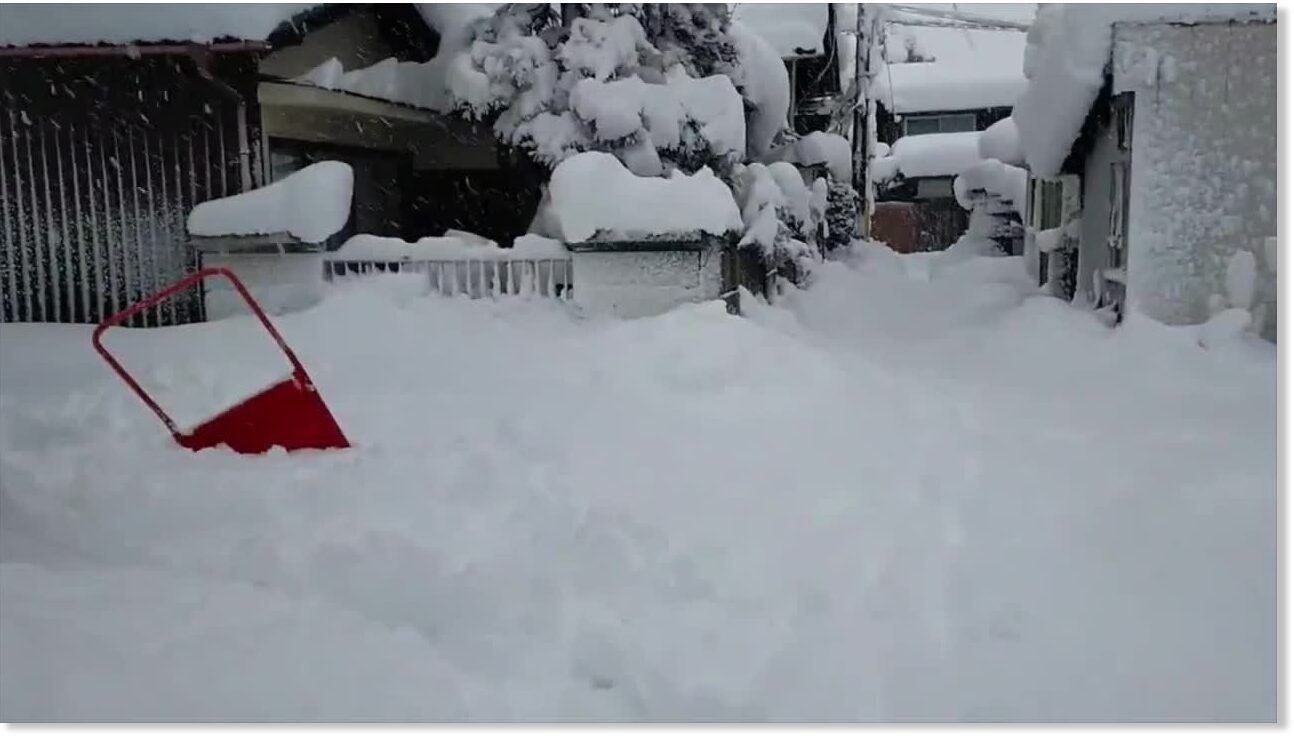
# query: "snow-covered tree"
661,86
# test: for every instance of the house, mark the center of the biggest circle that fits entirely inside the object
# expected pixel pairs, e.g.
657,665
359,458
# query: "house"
948,73
117,120
1153,176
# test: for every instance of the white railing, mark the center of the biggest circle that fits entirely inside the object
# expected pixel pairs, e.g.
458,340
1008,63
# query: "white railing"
475,278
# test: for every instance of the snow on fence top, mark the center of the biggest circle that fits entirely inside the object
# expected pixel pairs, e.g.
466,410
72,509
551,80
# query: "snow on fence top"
595,198
931,155
311,204
792,29
970,69
1066,60
24,25
453,246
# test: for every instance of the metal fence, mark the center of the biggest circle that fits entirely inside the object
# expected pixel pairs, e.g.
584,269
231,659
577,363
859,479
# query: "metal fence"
476,278
99,165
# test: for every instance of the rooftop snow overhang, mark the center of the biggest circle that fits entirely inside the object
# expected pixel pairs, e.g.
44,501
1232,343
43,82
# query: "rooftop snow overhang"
435,140
1070,65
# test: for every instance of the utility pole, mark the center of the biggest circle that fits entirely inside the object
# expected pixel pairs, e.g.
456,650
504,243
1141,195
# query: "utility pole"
869,39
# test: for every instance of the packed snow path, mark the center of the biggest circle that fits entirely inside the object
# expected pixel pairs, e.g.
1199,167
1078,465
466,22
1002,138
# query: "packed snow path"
917,491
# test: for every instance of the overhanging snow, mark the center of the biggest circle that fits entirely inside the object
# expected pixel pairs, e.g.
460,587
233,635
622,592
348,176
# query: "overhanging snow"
792,29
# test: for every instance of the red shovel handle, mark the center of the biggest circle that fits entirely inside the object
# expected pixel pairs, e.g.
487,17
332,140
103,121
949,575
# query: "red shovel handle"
298,371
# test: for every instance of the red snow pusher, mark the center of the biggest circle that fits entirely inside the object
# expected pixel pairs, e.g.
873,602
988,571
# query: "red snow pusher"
290,413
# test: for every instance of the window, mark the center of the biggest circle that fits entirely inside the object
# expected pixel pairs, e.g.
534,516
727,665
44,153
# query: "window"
916,125
933,188
1122,108
1046,210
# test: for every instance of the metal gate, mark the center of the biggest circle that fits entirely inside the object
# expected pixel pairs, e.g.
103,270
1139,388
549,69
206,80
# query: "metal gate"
101,159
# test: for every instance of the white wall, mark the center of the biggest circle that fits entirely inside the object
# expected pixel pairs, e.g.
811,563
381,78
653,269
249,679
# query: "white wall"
638,284
1204,162
281,283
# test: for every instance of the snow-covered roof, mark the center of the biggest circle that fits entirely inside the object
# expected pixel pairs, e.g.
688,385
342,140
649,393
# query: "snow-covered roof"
311,204
594,195
420,84
931,155
971,69
1066,60
793,29
26,25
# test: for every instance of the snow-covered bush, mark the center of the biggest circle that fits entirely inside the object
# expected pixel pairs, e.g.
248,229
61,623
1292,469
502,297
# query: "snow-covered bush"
660,86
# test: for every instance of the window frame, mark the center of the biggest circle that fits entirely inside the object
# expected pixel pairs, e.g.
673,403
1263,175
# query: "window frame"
944,123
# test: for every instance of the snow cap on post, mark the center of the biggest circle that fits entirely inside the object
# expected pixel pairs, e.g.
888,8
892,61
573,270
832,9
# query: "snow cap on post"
311,204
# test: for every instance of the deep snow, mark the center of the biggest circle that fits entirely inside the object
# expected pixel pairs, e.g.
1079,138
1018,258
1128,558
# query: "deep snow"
918,490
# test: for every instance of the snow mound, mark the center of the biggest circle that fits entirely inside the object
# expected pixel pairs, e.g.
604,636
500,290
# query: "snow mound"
536,523
595,197
234,652
311,204
791,29
933,154
1066,60
29,24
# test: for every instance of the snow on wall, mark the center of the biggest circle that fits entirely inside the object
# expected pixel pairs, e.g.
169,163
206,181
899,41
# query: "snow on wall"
1065,62
933,154
793,29
640,284
311,204
1204,163
281,283
593,194
22,25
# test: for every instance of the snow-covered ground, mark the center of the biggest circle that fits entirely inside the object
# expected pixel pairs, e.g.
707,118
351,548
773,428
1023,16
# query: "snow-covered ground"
916,491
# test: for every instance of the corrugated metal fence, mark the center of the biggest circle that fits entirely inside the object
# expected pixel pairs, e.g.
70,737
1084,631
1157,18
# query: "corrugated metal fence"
100,164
